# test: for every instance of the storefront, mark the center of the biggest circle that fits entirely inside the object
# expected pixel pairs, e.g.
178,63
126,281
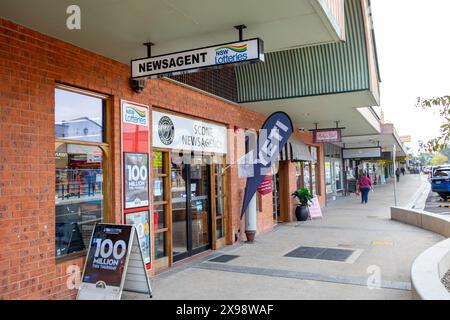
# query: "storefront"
334,172
189,186
70,161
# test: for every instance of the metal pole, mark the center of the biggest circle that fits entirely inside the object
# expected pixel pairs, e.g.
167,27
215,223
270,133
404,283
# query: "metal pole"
394,155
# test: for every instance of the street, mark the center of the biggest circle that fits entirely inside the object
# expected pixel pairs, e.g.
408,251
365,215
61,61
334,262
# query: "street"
262,270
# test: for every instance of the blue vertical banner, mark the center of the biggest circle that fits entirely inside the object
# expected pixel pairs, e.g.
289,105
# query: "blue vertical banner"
273,137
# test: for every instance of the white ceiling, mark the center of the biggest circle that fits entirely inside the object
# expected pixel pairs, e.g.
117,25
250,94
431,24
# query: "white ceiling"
386,141
117,28
325,110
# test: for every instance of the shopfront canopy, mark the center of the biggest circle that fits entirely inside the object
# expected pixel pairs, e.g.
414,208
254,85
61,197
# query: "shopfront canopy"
295,151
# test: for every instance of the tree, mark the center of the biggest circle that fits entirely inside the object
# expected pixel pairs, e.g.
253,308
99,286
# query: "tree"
439,159
443,103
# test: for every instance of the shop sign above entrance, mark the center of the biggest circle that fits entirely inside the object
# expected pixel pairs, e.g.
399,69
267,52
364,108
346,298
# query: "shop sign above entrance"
248,51
183,134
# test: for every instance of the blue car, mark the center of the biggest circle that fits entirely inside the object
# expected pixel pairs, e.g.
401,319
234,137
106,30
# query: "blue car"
440,182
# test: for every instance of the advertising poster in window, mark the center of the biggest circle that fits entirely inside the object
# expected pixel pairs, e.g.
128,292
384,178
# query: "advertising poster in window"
141,220
136,184
107,256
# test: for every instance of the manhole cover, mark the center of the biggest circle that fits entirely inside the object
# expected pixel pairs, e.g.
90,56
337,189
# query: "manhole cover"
223,258
329,254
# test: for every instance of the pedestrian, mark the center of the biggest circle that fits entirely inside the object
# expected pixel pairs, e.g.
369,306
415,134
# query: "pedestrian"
397,174
365,185
403,171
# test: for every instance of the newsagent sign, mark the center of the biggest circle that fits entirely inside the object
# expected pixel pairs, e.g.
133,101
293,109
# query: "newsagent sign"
178,133
191,61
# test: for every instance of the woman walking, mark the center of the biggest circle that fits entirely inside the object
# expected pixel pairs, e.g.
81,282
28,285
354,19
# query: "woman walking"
365,185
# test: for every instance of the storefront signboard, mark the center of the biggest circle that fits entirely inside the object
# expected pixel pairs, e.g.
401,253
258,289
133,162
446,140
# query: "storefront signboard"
265,187
141,220
362,153
106,274
184,134
315,212
195,60
327,136
136,186
273,137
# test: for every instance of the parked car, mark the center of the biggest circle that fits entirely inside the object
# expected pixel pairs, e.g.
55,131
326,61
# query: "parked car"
440,181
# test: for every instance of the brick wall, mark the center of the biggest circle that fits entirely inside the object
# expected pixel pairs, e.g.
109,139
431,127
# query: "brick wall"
30,65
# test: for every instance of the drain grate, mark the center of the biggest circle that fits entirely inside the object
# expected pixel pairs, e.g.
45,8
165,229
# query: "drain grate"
328,254
223,258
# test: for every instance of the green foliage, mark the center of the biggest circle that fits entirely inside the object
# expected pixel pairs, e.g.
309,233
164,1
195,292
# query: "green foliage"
442,142
303,196
439,159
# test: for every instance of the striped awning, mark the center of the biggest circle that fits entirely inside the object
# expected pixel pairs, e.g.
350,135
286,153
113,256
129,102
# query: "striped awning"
295,151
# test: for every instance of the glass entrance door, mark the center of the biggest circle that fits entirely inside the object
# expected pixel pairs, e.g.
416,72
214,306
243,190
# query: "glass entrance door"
191,209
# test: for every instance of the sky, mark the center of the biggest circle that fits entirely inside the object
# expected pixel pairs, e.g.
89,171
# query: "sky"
413,41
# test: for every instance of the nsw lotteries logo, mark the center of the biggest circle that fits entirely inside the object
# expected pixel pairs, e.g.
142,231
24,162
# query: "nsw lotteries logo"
136,115
229,53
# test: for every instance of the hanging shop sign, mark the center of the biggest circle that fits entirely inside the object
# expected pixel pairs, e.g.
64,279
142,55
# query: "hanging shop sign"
136,186
178,133
265,187
327,136
195,60
141,221
114,264
273,137
362,153
406,139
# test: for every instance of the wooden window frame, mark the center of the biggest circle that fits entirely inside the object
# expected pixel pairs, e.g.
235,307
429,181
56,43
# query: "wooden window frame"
167,261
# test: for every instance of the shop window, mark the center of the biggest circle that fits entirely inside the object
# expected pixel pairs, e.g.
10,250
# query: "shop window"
81,167
160,203
220,197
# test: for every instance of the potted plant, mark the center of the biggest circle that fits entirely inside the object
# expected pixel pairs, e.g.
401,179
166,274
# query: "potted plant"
304,198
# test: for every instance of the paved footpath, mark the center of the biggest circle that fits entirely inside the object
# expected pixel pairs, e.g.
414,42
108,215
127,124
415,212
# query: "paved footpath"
261,270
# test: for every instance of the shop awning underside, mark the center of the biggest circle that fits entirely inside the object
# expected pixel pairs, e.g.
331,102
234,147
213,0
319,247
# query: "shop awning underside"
295,151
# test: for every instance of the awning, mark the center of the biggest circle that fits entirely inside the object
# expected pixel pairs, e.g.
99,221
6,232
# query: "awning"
295,151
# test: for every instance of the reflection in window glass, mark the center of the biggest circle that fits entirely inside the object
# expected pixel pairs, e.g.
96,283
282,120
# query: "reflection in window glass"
159,218
78,116
219,229
158,163
160,246
158,189
78,196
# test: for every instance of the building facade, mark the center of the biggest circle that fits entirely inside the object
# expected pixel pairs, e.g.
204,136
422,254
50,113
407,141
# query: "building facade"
64,158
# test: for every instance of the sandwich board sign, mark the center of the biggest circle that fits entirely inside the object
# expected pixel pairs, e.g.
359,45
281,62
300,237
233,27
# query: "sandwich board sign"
115,263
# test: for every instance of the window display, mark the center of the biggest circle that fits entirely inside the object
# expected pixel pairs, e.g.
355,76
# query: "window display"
79,196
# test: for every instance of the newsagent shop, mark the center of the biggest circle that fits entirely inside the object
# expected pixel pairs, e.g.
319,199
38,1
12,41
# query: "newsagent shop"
79,146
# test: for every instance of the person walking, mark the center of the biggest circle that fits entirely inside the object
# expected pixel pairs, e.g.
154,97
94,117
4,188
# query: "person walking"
365,185
403,171
397,174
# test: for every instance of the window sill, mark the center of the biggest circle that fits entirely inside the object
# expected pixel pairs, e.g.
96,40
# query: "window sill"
72,256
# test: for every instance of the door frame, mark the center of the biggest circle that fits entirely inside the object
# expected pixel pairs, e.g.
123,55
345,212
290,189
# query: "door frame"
190,250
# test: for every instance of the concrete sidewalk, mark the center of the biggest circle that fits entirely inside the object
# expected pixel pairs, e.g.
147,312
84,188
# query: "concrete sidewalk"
261,270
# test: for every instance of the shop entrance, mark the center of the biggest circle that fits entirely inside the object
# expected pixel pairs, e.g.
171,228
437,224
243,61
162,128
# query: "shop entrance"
191,208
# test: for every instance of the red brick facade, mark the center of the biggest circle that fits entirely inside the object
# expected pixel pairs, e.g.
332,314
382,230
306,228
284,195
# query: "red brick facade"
30,65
